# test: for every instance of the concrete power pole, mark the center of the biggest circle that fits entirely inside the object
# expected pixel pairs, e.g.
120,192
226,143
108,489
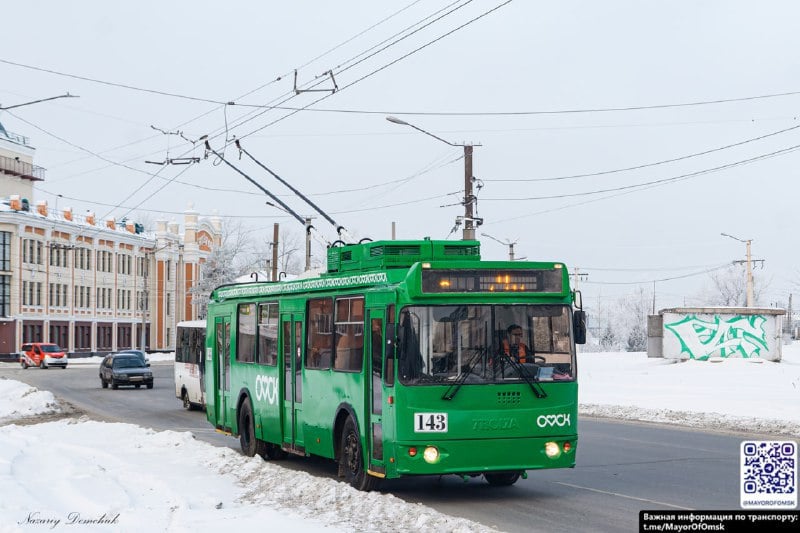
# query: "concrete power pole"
469,229
275,252
749,275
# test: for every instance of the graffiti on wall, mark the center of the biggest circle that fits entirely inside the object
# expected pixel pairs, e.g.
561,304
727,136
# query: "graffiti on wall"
737,336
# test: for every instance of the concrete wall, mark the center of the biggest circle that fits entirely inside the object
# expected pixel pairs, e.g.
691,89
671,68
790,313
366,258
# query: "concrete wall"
704,332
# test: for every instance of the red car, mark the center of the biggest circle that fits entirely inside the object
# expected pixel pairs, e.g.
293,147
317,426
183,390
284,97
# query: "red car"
43,355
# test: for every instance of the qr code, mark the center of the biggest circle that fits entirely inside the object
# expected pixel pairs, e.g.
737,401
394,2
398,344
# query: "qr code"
768,474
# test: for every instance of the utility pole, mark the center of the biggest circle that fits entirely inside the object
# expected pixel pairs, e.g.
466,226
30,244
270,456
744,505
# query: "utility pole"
749,261
469,199
308,244
469,230
275,252
579,276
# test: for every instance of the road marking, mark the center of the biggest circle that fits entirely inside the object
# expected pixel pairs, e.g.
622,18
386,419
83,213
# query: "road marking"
623,496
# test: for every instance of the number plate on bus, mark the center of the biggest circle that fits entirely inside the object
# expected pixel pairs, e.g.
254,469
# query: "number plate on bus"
430,422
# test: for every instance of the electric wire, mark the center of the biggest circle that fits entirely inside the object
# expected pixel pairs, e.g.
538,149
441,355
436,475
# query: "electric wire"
648,165
662,181
693,274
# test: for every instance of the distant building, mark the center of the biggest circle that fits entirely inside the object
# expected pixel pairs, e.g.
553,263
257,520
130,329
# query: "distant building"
88,285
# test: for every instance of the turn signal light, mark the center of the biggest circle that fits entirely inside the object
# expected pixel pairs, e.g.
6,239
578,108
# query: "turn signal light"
412,452
567,447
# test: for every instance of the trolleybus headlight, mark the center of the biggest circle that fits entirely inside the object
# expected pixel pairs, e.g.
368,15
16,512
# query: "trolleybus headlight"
551,450
431,454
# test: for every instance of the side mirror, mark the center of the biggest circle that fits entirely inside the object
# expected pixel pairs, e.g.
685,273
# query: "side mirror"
579,326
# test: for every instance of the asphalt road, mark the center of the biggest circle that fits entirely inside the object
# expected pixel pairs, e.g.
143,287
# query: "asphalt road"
622,467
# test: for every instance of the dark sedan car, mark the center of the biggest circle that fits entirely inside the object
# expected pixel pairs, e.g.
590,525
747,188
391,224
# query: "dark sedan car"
124,369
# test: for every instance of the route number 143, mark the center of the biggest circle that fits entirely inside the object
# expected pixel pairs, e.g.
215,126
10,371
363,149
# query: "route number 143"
430,422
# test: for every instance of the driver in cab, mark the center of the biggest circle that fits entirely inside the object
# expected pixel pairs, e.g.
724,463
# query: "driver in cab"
513,345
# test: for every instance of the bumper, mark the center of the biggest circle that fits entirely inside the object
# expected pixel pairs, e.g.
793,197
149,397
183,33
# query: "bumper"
56,361
484,455
133,380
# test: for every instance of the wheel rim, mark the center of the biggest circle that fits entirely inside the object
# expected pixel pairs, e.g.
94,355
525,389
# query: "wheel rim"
352,458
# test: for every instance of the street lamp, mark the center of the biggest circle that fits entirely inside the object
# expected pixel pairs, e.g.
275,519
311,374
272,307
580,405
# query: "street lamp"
509,244
749,268
469,230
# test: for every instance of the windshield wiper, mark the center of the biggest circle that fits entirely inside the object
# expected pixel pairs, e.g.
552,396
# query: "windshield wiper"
523,373
453,389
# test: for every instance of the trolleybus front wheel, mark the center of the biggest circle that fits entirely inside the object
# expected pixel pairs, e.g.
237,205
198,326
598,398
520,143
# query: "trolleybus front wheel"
351,461
502,479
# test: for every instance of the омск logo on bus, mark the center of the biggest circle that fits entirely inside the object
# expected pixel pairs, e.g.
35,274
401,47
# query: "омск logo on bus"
559,419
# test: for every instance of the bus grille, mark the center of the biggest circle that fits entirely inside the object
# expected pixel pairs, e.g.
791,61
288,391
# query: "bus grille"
508,398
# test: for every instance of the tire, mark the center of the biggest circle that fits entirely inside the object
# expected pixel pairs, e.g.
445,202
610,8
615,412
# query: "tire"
502,479
247,433
24,364
114,384
351,460
138,385
149,385
103,383
43,365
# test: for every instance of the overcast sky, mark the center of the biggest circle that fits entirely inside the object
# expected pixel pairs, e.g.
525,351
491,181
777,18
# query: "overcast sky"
481,84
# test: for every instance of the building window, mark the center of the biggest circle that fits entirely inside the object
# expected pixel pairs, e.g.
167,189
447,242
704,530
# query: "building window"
5,295
5,251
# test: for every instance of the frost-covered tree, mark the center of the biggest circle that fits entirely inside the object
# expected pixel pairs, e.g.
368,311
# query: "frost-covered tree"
221,266
637,339
608,339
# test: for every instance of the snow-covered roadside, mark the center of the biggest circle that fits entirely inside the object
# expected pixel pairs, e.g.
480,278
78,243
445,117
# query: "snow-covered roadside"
128,478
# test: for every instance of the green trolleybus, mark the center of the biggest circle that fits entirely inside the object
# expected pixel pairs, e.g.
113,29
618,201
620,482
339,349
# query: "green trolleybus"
404,358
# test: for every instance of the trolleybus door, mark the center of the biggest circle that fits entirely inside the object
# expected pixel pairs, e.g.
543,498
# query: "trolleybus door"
292,339
374,391
222,369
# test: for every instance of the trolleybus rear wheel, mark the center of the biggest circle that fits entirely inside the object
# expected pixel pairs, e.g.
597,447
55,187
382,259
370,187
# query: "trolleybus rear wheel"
351,462
247,434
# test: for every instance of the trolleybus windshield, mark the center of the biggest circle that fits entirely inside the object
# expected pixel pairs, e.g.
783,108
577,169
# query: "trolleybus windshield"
485,344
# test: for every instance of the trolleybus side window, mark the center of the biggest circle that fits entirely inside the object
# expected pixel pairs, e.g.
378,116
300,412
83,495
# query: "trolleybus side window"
246,334
268,334
319,345
349,324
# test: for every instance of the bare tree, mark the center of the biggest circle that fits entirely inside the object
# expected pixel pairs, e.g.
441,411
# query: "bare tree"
730,287
291,249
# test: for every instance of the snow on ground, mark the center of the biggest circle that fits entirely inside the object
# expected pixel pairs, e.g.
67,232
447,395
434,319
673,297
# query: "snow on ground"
56,475
750,395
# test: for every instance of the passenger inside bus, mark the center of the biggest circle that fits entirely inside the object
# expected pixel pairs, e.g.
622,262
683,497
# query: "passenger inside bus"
513,345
